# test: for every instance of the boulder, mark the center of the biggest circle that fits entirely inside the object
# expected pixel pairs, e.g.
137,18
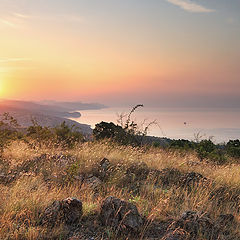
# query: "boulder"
192,178
166,177
224,223
67,211
120,215
104,164
176,235
225,194
225,219
62,160
193,222
139,170
3,178
7,178
79,178
93,182
102,169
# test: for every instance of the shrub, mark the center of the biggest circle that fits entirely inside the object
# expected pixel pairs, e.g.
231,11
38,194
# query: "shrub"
105,130
204,148
182,144
218,156
59,135
41,135
8,130
67,136
233,148
128,132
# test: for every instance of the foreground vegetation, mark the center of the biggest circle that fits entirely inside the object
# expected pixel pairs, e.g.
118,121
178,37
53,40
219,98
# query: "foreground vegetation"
178,194
32,178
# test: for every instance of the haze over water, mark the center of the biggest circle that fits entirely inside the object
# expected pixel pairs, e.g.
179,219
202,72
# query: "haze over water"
219,124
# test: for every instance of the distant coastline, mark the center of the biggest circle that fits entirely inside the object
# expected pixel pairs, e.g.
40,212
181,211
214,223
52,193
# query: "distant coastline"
47,113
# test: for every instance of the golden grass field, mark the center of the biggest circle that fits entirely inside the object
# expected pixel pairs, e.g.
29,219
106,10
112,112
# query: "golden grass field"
37,183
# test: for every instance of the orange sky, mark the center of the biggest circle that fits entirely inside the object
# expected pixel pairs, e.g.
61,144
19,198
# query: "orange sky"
86,51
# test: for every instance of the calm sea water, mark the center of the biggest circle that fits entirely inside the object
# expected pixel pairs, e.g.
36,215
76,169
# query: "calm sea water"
217,124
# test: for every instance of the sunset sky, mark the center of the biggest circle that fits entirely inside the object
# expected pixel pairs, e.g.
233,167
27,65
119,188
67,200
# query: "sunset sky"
118,52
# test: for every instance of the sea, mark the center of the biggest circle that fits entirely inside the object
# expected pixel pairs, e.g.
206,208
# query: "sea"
218,124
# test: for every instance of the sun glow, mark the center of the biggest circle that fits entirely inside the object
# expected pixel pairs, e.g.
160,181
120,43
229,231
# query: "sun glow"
2,77
1,84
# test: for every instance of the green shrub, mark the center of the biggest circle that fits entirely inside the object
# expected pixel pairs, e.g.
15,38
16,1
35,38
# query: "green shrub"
126,133
233,148
8,130
182,144
41,135
204,148
218,156
105,130
68,136
60,135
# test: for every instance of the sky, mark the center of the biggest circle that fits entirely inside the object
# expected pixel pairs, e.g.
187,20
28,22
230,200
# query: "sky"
157,52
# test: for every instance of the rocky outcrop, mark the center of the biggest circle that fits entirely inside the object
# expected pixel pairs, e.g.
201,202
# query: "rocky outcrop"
6,178
103,169
120,215
67,211
225,219
192,222
167,177
139,171
92,182
176,235
193,178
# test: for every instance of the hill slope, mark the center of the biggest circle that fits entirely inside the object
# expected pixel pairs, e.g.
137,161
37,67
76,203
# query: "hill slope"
45,115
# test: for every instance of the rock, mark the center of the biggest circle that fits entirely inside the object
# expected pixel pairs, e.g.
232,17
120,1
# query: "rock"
67,211
225,219
120,214
134,177
93,182
104,164
79,178
139,170
103,169
63,160
176,235
194,222
225,194
192,178
191,223
3,178
167,177
7,178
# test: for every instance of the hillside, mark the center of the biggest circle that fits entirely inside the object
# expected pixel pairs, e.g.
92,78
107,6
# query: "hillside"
53,108
46,114
101,190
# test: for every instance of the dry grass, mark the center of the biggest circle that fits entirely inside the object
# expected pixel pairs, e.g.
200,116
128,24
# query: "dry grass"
23,200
